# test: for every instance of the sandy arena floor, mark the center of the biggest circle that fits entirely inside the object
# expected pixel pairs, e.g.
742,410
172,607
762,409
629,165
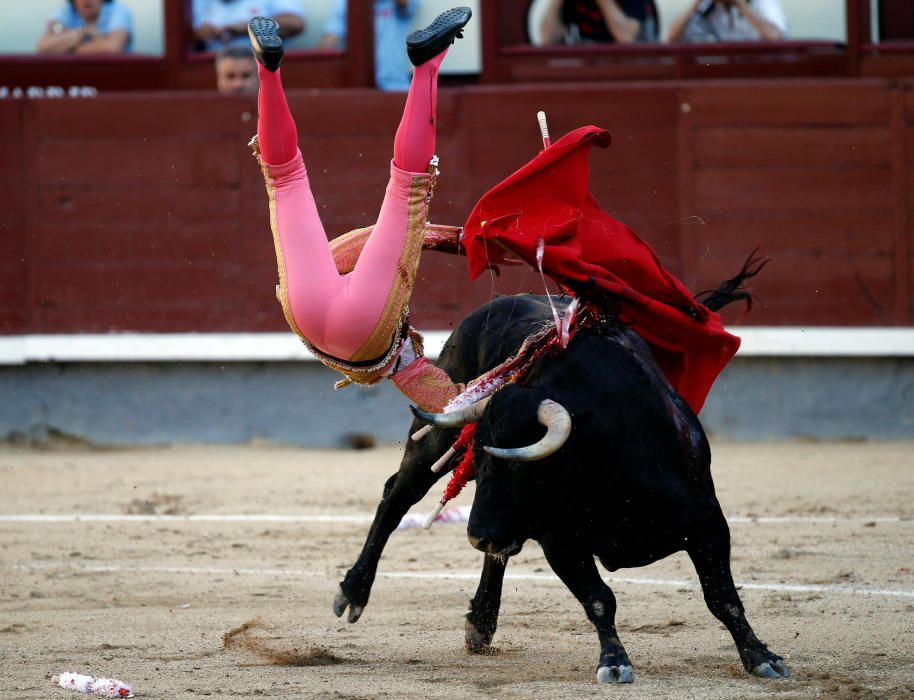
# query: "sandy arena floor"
829,584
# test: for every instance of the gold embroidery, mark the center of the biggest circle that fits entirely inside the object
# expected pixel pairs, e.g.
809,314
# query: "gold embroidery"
370,374
347,248
402,284
282,289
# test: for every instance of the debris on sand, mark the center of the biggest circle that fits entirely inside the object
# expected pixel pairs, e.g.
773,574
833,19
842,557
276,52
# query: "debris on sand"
94,685
157,504
242,638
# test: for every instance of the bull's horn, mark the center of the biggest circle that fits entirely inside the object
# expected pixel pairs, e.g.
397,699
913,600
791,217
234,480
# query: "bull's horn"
558,423
454,419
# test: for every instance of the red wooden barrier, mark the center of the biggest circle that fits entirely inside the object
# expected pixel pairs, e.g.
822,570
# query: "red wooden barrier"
145,211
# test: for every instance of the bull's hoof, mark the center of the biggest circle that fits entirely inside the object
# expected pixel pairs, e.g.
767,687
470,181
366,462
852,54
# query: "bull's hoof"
772,669
615,674
341,602
476,642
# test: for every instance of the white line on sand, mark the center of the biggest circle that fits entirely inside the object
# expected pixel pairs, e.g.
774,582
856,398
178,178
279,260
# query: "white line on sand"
461,576
367,518
214,518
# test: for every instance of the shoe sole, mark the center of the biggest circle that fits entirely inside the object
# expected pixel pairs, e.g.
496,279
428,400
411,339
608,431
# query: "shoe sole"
264,35
444,28
266,32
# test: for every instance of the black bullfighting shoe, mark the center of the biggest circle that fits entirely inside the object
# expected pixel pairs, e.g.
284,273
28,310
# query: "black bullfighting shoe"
423,44
264,35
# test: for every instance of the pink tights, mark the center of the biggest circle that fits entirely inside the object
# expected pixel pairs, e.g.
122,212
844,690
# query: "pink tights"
352,316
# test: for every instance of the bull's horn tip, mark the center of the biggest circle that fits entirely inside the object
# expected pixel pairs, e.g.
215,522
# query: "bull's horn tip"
422,415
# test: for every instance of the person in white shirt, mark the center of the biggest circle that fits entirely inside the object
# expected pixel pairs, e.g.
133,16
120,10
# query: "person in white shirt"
221,23
729,20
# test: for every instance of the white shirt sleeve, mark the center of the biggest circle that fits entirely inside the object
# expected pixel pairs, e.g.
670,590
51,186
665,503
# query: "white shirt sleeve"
773,12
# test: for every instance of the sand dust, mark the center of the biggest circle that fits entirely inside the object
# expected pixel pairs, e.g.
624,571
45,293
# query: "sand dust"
244,638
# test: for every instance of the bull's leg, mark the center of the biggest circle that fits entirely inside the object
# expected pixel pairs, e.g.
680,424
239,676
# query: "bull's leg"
482,617
578,571
712,562
401,492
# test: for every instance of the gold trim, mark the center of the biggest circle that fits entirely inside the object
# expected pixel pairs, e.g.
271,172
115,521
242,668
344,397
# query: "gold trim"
369,374
282,289
405,275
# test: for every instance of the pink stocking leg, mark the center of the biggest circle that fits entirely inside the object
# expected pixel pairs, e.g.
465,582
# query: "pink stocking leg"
379,286
308,279
276,132
414,144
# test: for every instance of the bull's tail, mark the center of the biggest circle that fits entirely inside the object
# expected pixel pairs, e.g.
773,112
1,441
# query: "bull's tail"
732,289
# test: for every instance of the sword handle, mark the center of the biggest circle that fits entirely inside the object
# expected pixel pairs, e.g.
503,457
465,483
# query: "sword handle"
544,128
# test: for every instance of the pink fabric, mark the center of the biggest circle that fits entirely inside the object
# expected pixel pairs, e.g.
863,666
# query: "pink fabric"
276,132
414,144
337,313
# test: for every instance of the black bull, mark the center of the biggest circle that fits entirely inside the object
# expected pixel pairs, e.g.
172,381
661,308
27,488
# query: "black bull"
631,485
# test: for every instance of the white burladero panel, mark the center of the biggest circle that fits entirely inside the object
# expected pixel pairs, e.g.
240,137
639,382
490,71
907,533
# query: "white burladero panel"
757,341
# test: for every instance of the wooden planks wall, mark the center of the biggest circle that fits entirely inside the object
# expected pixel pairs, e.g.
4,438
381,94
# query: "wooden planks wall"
146,212
809,171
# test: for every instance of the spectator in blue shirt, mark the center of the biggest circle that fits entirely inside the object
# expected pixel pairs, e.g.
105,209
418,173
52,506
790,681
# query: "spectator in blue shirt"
88,27
392,22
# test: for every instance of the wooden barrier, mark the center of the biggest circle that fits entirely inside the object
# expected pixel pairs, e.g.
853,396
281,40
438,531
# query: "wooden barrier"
146,212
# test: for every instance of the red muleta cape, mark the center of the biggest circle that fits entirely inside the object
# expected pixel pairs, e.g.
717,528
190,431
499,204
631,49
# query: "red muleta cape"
550,198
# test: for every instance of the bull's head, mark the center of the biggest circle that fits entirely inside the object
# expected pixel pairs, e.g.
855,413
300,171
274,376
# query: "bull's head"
509,492
549,413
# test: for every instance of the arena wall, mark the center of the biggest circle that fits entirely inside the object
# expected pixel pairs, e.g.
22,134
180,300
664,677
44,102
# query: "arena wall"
141,403
144,212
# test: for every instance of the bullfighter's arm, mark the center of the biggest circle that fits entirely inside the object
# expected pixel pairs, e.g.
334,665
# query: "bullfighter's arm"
347,248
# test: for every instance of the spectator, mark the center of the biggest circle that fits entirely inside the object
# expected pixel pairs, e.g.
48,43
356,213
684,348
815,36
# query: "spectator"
236,71
392,20
730,20
88,27
221,23
610,21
